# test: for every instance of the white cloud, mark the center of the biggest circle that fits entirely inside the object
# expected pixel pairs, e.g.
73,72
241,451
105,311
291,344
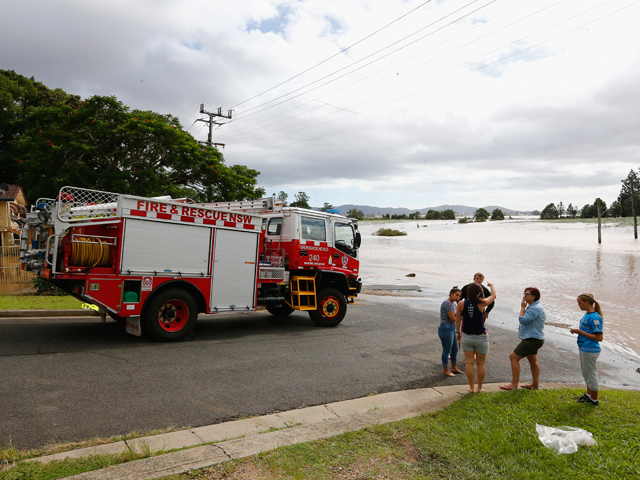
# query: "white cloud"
552,113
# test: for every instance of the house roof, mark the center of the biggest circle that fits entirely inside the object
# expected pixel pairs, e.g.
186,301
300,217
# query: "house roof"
15,192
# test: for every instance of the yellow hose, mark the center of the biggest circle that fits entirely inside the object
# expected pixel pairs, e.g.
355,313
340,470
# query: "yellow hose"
90,252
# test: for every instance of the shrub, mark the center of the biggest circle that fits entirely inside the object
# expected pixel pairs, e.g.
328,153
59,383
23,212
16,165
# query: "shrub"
389,232
45,288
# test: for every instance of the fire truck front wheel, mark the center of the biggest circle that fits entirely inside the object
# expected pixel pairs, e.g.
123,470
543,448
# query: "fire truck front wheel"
171,316
332,308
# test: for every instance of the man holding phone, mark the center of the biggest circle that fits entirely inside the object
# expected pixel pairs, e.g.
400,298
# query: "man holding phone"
479,278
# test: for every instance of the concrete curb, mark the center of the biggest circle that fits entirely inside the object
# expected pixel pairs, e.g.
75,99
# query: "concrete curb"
243,438
47,313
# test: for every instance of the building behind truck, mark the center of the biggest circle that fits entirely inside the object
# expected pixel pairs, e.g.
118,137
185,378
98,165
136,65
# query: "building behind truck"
156,263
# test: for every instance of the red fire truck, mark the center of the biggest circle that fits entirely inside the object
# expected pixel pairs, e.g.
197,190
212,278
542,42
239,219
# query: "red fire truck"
156,263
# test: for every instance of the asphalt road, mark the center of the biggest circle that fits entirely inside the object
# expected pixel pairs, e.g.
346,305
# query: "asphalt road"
71,379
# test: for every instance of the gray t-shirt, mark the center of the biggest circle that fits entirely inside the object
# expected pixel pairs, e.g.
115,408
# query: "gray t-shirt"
447,306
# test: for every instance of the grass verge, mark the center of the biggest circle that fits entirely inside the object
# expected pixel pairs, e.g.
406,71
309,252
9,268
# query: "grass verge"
480,436
490,435
38,302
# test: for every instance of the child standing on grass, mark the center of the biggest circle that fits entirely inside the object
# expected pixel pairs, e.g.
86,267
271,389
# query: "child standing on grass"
589,338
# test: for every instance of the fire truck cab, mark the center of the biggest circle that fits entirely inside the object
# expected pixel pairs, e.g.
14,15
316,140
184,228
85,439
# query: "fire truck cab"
156,263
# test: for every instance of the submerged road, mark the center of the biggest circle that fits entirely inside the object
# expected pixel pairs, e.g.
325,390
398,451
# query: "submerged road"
71,379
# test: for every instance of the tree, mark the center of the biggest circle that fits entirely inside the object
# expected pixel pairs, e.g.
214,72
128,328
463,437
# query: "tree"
497,214
571,211
355,213
481,215
283,196
591,211
433,215
20,96
99,143
326,206
448,214
549,212
587,212
302,200
560,208
615,209
630,184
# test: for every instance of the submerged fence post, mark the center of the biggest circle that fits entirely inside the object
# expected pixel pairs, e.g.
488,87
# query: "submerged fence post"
633,211
599,221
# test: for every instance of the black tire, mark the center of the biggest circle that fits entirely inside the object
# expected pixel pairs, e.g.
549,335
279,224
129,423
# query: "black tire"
332,307
282,310
170,316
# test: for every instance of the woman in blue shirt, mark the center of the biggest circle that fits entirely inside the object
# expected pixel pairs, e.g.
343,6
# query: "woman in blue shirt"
447,332
589,338
531,333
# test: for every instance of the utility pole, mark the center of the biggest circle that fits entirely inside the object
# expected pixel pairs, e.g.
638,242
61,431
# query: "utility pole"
633,210
211,122
599,221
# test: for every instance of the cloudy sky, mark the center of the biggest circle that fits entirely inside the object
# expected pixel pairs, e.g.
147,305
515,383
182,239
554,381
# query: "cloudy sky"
400,103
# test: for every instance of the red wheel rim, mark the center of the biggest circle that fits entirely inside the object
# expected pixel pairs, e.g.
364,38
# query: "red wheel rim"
173,315
329,307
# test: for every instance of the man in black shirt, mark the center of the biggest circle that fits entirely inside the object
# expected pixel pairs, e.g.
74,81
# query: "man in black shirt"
479,278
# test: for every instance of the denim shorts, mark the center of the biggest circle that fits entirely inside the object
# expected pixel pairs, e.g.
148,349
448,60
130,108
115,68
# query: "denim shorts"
475,343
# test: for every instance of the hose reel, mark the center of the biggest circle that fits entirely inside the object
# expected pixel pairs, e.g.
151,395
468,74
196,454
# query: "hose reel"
90,252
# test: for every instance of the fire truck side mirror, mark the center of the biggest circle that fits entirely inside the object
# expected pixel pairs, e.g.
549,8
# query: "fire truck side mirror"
358,239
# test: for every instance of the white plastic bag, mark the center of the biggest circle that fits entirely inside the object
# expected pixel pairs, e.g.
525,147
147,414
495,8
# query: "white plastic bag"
564,440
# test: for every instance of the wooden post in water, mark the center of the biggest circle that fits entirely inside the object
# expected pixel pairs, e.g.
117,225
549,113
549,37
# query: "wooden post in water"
599,221
633,211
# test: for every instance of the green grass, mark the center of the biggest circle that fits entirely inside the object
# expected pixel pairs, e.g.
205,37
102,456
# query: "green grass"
614,222
389,232
37,302
58,469
480,436
489,435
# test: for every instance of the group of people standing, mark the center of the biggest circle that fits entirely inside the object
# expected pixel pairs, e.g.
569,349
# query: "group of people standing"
462,326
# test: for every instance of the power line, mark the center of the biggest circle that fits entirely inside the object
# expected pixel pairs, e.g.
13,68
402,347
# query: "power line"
237,131
436,74
243,114
464,74
334,55
267,135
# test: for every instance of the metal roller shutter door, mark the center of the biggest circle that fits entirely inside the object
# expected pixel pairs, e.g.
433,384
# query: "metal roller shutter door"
233,285
150,246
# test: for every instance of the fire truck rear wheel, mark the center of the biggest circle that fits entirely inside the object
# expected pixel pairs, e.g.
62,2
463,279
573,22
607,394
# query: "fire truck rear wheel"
280,310
171,316
332,308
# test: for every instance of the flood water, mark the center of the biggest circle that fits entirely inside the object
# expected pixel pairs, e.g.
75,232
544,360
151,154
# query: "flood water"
563,260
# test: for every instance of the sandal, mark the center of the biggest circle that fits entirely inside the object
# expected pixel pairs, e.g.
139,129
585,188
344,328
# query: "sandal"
506,387
529,387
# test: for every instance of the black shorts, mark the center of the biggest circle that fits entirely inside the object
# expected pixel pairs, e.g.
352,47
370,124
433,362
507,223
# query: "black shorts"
528,346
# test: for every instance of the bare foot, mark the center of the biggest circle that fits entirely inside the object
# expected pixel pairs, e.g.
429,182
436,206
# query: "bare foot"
471,390
480,390
456,370
448,373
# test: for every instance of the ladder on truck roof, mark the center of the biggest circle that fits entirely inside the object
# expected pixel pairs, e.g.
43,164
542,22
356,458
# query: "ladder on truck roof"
265,204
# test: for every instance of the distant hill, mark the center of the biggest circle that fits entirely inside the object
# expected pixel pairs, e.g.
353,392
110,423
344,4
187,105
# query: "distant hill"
458,209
